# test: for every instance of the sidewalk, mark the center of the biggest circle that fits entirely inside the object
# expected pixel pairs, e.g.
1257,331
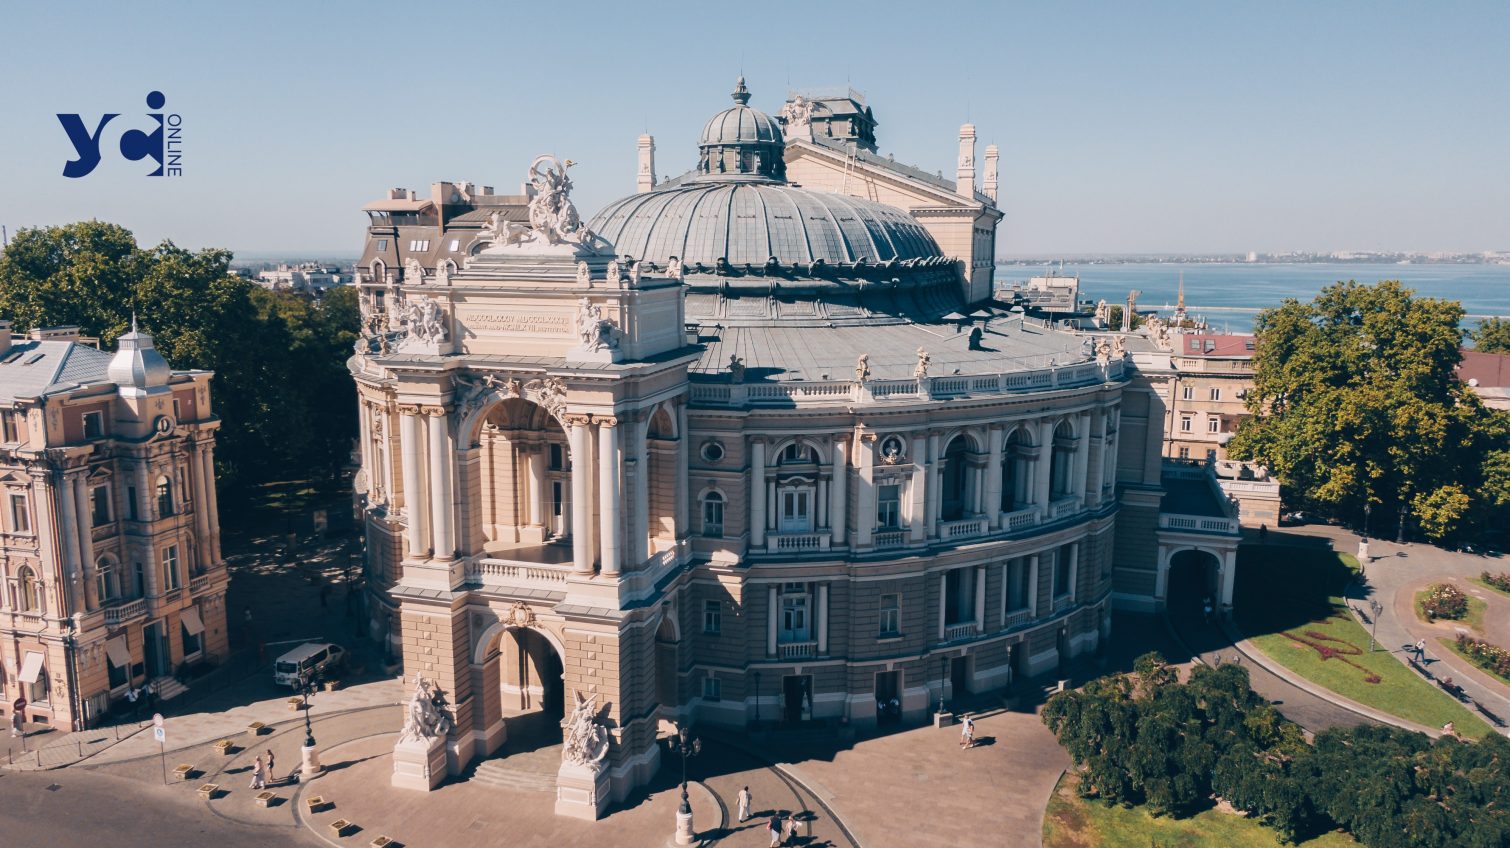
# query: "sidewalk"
1441,660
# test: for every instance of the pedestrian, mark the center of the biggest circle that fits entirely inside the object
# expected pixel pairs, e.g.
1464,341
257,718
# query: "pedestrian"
271,775
1449,729
1420,650
1263,533
259,779
151,694
136,709
1206,605
744,804
789,833
775,828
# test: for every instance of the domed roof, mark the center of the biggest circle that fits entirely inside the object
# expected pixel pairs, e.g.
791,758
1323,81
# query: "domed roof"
750,222
136,365
739,124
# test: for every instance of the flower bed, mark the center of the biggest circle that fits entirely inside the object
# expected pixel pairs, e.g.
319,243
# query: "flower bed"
1338,649
1499,581
1444,600
1485,655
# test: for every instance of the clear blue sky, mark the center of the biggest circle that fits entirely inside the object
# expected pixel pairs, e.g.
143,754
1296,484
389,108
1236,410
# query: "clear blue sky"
1124,127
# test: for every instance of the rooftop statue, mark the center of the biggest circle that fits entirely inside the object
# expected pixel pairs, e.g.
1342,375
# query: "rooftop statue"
797,116
924,360
414,273
424,320
586,742
736,369
862,368
551,213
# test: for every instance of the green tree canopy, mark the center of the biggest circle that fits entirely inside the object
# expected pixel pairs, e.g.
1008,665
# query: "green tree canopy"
1357,405
279,360
1492,336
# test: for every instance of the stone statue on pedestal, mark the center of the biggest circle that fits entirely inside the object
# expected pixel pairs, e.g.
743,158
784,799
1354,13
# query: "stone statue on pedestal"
586,742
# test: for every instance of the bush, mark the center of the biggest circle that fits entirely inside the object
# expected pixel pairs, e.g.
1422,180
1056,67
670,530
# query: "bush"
1444,600
1487,655
1499,581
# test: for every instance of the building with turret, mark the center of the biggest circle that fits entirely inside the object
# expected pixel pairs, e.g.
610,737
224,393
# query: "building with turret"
111,543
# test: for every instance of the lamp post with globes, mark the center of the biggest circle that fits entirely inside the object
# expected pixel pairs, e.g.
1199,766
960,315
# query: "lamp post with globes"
311,760
686,746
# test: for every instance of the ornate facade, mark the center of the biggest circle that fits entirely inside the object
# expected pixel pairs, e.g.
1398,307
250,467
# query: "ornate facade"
736,451
112,566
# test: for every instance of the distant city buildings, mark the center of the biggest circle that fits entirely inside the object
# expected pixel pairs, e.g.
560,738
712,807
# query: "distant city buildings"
304,277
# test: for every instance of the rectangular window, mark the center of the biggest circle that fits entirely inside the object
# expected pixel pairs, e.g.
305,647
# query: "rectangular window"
1213,425
455,245
794,618
177,413
1062,585
20,516
382,245
131,502
9,420
1189,393
1017,585
558,457
1216,394
713,617
1184,453
796,452
889,506
891,615
712,690
94,424
170,567
1186,423
99,499
713,516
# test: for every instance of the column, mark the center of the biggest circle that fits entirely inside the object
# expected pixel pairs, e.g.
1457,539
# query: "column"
442,516
1082,456
934,488
85,523
69,532
994,438
581,507
838,510
364,450
820,505
1075,572
943,602
1229,578
772,612
681,483
822,619
212,498
917,492
639,536
610,505
1096,462
535,485
1043,471
865,518
1033,587
1111,453
757,499
973,486
414,499
143,491
980,597
201,502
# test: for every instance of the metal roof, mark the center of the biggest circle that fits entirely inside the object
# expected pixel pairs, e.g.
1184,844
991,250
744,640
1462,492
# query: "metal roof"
35,368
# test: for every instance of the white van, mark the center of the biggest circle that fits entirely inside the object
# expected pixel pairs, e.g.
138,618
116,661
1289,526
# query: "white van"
307,662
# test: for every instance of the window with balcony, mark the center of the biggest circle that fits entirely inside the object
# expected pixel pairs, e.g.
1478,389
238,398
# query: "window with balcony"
164,497
795,621
891,616
713,515
94,424
28,590
888,506
20,514
1019,590
959,596
1015,463
107,579
713,617
171,579
796,510
99,506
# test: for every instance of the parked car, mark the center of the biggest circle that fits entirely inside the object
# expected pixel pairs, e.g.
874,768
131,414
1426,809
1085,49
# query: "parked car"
307,662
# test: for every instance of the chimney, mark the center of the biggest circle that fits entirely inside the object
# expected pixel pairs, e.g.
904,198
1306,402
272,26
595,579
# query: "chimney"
63,333
964,184
645,180
990,177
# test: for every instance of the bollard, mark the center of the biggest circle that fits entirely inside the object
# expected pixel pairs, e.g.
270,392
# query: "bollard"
80,746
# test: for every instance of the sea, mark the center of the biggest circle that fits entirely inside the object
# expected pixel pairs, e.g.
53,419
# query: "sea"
1229,295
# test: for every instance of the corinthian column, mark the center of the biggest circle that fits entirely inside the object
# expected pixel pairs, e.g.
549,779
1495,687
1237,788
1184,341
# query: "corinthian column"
610,503
581,487
414,499
838,511
441,496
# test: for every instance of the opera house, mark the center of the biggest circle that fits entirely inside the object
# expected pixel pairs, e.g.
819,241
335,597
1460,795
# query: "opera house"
757,444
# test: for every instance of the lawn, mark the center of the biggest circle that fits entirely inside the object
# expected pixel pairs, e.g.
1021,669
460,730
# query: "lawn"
1487,585
1474,618
1073,822
1451,644
1289,603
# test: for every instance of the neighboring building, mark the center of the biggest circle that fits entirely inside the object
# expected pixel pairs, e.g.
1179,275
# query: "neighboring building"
304,277
1488,375
112,566
406,231
1213,374
723,456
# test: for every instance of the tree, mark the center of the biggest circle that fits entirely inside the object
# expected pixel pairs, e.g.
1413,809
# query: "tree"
1492,336
1357,406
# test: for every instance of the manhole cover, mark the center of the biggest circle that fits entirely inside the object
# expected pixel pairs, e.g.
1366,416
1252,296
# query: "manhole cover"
53,787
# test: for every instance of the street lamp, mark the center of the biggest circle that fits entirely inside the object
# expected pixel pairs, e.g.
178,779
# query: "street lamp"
686,746
1373,623
1400,534
311,767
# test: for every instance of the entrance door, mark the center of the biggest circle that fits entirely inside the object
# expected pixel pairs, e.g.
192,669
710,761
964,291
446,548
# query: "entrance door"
797,698
794,619
959,675
888,697
796,510
156,650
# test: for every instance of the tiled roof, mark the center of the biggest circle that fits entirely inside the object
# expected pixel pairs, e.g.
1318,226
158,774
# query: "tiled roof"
1490,370
1216,344
35,368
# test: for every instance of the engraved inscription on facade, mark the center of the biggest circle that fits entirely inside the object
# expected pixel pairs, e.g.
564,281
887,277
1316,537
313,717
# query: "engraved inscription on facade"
509,322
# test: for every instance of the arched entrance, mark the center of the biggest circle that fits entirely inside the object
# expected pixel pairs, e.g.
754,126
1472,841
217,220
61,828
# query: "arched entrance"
530,676
525,483
1195,579
519,676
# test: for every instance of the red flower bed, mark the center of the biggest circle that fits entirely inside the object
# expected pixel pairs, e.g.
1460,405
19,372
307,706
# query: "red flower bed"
1499,581
1486,655
1338,649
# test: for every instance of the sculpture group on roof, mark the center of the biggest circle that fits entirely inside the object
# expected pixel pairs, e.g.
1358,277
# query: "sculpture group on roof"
424,320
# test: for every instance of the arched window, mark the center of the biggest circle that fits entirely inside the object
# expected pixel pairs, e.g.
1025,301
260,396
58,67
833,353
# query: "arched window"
107,579
1060,484
956,480
164,497
798,453
1016,466
28,590
713,515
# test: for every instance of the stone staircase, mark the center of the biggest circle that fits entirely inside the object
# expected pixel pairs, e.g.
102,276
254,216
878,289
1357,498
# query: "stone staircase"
526,771
167,688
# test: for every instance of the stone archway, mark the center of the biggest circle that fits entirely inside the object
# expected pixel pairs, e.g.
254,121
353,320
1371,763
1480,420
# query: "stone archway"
1195,577
518,669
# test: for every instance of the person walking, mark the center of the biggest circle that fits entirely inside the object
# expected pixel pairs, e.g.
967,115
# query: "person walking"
744,804
136,708
18,717
259,777
967,733
151,694
1420,649
271,774
776,830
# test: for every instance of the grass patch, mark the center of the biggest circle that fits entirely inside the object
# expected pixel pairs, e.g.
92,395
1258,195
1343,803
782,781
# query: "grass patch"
1474,618
1289,603
1074,822
1490,586
1451,643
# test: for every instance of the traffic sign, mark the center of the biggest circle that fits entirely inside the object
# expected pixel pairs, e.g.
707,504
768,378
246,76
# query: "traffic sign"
160,734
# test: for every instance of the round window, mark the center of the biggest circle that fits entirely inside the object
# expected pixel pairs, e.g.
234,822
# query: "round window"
713,451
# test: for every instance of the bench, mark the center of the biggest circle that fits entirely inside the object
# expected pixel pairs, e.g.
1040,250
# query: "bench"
225,747
265,798
255,729
183,770
208,791
338,828
315,804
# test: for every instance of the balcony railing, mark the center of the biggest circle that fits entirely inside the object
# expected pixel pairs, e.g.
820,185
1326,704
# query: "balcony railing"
962,529
512,573
1063,603
1022,519
963,630
1064,506
125,611
1017,618
199,583
798,542
796,650
890,539
1198,523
